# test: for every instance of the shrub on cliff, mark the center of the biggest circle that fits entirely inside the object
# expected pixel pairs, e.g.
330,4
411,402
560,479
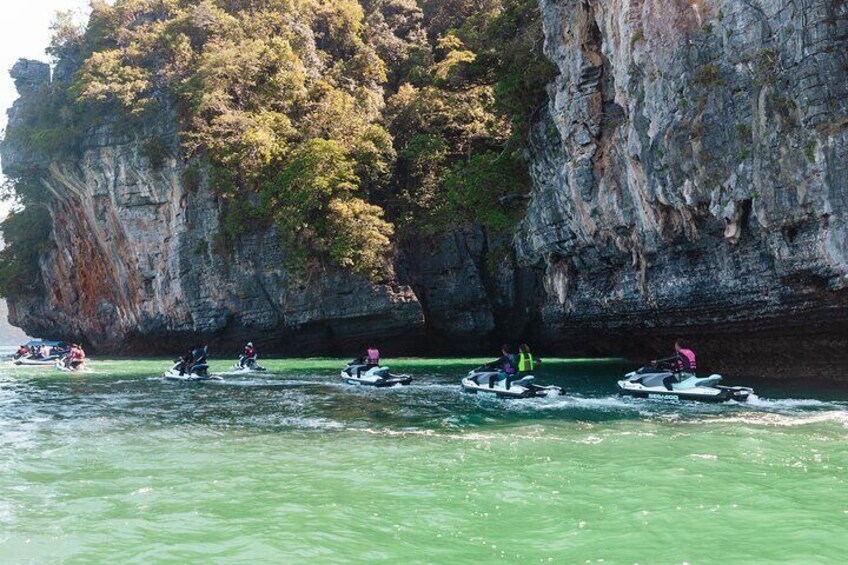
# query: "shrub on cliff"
340,118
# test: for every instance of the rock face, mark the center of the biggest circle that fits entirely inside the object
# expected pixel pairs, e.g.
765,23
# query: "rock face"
690,178
138,264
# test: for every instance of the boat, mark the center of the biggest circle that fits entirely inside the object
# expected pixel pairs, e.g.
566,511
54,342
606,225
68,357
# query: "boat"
663,384
486,380
375,376
58,350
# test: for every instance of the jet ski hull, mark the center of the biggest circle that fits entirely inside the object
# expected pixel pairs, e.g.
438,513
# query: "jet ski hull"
75,367
200,374
37,362
722,394
478,383
378,377
239,368
664,385
175,376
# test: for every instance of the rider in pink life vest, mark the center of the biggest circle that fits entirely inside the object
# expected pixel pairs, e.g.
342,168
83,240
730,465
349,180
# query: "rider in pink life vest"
370,360
683,361
372,355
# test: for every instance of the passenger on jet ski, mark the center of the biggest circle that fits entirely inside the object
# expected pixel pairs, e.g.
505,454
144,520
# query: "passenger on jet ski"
682,364
196,356
506,364
75,357
371,359
526,361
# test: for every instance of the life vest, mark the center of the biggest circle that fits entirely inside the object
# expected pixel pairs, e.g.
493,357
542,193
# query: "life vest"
526,362
686,360
249,352
373,356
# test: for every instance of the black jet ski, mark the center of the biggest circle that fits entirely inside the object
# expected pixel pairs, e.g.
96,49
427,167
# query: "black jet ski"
664,384
486,380
375,376
247,365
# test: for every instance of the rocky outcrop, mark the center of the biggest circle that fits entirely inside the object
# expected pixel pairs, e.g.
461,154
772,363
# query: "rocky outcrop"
691,178
137,261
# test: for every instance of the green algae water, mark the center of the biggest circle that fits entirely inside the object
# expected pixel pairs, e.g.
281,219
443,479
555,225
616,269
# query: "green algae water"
291,466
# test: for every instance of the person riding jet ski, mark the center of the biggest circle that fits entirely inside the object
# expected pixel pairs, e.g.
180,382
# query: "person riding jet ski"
369,360
192,367
506,364
682,364
502,378
247,360
249,356
75,357
366,370
674,378
194,362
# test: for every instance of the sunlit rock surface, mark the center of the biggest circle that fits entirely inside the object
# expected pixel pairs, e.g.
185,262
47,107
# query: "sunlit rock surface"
690,179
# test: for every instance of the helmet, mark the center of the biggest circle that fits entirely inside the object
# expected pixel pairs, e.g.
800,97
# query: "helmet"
250,344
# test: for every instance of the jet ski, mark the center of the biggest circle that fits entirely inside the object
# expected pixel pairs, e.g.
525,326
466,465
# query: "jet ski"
375,376
199,372
248,365
76,365
664,384
478,381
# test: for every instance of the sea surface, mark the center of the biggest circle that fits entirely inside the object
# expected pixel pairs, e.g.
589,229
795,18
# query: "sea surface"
292,466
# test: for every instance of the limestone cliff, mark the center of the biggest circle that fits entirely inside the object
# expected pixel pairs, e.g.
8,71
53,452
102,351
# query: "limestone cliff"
690,177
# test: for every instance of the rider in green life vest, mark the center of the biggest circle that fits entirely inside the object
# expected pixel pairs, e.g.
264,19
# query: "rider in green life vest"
526,362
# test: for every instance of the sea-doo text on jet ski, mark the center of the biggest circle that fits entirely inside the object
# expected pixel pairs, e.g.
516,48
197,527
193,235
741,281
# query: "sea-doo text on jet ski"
662,383
487,380
375,376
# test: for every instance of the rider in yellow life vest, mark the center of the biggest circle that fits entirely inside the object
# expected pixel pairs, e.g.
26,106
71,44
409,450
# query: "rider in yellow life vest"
526,361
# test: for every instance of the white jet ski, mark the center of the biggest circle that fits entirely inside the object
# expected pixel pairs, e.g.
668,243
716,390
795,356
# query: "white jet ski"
375,376
664,384
76,366
199,373
249,365
486,380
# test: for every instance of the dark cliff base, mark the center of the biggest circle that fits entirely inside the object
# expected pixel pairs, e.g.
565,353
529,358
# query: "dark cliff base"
803,346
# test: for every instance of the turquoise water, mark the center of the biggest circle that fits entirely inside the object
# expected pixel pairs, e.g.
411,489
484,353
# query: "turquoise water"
291,466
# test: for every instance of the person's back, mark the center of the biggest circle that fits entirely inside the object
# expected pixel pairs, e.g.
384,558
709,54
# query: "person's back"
686,361
373,356
199,355
526,361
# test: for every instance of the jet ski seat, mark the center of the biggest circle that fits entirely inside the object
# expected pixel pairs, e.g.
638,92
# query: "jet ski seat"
524,381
